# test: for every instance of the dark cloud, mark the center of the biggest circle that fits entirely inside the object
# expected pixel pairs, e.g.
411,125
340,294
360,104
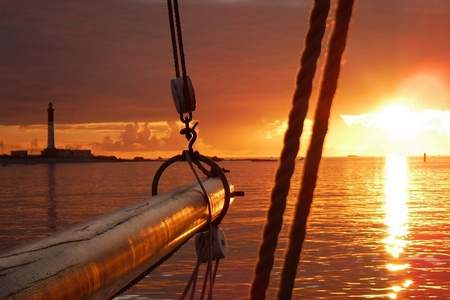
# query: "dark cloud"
90,57
110,60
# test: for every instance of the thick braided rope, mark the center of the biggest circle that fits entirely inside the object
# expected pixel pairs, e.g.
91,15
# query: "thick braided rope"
314,154
311,53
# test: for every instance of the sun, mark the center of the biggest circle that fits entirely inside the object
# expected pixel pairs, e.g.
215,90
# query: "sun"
397,120
400,127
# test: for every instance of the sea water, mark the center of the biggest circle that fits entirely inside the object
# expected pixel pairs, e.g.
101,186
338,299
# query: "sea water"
379,227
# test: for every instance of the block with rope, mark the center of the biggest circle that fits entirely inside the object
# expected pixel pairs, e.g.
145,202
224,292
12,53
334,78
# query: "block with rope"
210,243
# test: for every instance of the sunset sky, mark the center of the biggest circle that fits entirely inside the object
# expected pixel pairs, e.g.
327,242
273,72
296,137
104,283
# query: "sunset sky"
106,66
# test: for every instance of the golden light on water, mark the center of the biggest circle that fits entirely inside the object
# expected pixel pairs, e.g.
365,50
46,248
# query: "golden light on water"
397,267
396,217
398,288
396,208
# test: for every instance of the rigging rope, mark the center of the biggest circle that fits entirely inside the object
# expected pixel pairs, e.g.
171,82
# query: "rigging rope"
186,104
210,226
173,38
185,101
210,243
297,115
184,98
314,154
180,39
176,37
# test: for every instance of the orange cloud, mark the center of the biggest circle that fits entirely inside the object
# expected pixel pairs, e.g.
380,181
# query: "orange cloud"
142,137
277,128
116,138
398,119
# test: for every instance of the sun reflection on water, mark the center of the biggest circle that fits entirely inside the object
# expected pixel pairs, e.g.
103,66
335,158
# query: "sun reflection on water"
396,219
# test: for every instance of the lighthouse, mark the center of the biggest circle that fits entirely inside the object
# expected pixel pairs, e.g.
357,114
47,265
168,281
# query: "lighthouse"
54,154
51,128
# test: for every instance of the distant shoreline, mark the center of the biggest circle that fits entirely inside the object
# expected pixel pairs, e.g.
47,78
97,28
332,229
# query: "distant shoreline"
57,160
34,160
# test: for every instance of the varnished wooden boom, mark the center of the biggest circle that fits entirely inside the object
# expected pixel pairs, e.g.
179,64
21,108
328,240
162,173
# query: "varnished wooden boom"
98,259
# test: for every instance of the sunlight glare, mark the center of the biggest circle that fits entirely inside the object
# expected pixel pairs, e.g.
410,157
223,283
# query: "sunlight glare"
397,119
403,129
396,184
396,219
